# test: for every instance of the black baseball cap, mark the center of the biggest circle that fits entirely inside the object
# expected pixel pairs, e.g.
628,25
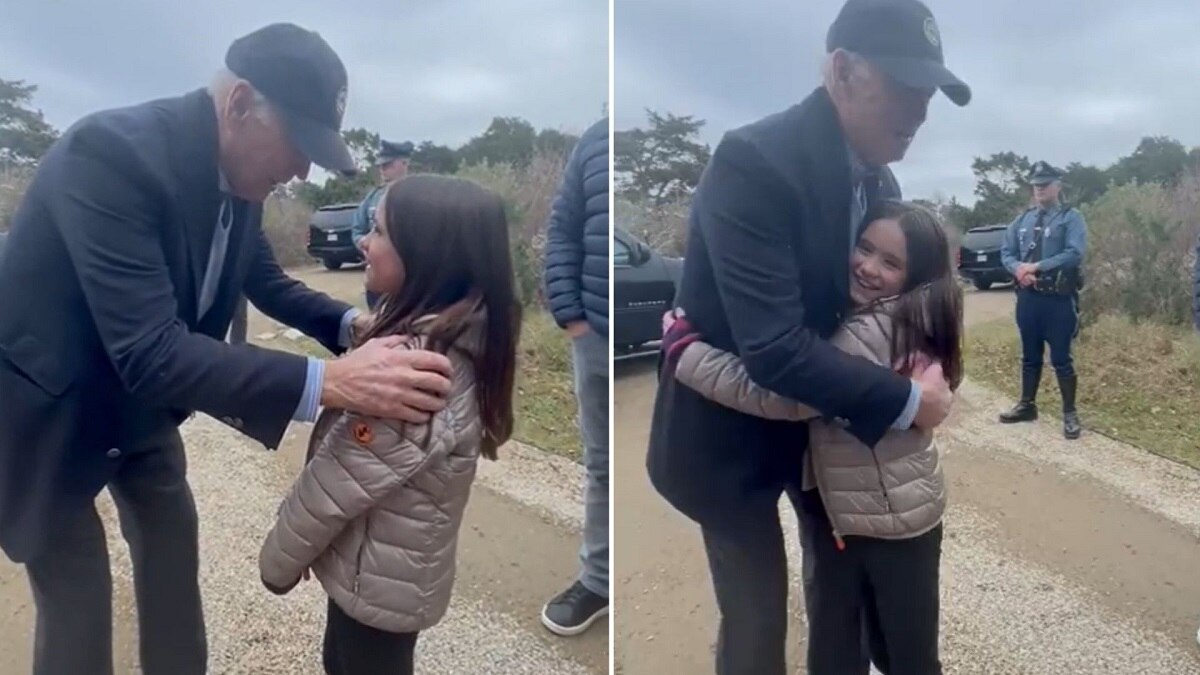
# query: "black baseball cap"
902,39
301,75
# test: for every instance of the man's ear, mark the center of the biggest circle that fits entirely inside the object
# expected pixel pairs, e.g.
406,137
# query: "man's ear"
239,102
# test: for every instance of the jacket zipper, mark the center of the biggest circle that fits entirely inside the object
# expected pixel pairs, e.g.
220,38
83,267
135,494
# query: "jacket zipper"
358,557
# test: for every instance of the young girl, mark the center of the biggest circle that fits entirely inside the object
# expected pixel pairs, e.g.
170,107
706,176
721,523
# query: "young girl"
880,553
377,510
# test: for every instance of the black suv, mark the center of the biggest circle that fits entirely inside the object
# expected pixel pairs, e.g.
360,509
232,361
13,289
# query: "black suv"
979,256
329,236
644,283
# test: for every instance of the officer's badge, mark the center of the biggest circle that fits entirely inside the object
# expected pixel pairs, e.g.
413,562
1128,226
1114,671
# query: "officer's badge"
931,32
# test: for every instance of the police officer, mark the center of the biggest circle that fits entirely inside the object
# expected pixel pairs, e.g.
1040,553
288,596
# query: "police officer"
392,162
1043,249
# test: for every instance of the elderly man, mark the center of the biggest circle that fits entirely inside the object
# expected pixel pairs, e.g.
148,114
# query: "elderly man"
1043,249
766,277
140,230
392,162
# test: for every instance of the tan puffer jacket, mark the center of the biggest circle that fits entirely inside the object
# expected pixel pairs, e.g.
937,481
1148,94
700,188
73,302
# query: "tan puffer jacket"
376,511
892,491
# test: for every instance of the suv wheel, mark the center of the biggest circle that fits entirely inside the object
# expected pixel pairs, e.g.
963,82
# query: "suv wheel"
982,284
331,264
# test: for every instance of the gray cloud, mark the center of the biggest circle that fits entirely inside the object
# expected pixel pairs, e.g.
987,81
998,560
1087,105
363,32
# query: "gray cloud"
436,70
1077,80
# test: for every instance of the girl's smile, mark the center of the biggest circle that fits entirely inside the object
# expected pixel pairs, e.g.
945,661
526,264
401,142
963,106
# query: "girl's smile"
879,263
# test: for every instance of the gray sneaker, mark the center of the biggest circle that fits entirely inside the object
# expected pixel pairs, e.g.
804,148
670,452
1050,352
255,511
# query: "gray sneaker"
573,611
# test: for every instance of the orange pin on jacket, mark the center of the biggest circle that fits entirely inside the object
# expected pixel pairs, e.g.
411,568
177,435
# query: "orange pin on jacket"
377,510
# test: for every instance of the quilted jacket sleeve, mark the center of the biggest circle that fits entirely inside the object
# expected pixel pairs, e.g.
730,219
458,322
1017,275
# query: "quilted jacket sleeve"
359,462
720,377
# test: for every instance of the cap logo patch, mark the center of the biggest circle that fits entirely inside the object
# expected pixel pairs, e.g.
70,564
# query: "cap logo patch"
340,103
931,32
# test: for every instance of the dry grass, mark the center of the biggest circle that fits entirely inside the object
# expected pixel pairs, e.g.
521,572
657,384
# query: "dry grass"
1137,382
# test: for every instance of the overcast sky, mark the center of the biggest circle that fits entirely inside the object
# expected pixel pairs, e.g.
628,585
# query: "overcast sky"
418,70
1069,80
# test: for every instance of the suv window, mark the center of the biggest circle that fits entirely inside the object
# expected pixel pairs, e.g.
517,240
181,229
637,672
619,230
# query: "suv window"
621,254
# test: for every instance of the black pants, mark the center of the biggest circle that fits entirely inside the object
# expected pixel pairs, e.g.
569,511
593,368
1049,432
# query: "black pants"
748,564
72,583
1042,319
352,648
891,584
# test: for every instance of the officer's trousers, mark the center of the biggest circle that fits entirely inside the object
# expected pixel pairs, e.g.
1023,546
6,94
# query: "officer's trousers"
1046,318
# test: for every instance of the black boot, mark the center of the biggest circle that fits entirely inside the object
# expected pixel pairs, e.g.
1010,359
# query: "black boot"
1026,409
1071,426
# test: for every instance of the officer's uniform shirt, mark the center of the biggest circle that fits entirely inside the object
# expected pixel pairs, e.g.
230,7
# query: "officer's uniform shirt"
1064,241
360,224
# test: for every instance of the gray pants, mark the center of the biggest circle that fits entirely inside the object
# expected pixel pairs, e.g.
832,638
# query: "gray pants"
590,359
72,583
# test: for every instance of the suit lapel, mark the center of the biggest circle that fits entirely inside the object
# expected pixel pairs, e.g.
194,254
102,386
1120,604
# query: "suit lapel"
831,171
194,159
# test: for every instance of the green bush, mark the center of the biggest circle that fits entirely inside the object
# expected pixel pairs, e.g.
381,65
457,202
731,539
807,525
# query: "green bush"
528,194
1140,252
663,227
285,222
13,183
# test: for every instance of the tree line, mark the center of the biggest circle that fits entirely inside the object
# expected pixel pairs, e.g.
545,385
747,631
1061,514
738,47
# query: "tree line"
663,160
25,136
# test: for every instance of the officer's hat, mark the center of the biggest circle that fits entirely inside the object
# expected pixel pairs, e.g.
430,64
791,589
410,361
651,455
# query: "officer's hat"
390,151
1043,174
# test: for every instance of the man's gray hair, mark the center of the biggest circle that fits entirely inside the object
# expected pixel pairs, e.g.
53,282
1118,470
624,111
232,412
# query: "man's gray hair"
225,80
858,65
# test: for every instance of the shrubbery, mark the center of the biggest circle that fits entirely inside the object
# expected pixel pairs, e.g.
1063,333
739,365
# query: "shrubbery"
1141,243
528,193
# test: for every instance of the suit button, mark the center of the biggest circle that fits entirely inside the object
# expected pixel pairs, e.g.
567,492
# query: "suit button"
227,420
113,453
841,422
237,422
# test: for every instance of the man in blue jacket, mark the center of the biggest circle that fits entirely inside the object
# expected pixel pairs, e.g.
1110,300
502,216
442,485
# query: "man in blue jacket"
392,162
577,244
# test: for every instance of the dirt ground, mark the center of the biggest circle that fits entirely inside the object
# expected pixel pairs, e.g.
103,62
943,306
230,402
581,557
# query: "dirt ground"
1060,557
518,547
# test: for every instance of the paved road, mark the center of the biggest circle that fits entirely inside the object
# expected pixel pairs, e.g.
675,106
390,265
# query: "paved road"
1060,557
519,545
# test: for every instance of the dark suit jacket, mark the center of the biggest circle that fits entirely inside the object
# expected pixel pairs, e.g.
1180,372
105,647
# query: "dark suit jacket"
99,339
766,276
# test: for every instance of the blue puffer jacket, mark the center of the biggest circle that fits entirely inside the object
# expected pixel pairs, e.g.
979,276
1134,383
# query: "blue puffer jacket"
577,236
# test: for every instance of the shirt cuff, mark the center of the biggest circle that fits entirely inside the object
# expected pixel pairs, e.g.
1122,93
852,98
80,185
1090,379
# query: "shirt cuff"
909,414
344,329
310,400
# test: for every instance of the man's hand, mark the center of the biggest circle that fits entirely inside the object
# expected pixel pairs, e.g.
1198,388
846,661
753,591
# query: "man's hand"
379,380
936,397
577,329
1026,274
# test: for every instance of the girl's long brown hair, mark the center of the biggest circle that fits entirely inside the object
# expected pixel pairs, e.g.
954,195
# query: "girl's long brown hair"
452,236
927,317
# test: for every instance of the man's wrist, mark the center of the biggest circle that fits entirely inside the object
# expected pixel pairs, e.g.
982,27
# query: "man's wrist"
909,414
311,398
344,330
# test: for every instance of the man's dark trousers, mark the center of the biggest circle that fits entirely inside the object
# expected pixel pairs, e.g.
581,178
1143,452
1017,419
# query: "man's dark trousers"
72,582
1046,318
